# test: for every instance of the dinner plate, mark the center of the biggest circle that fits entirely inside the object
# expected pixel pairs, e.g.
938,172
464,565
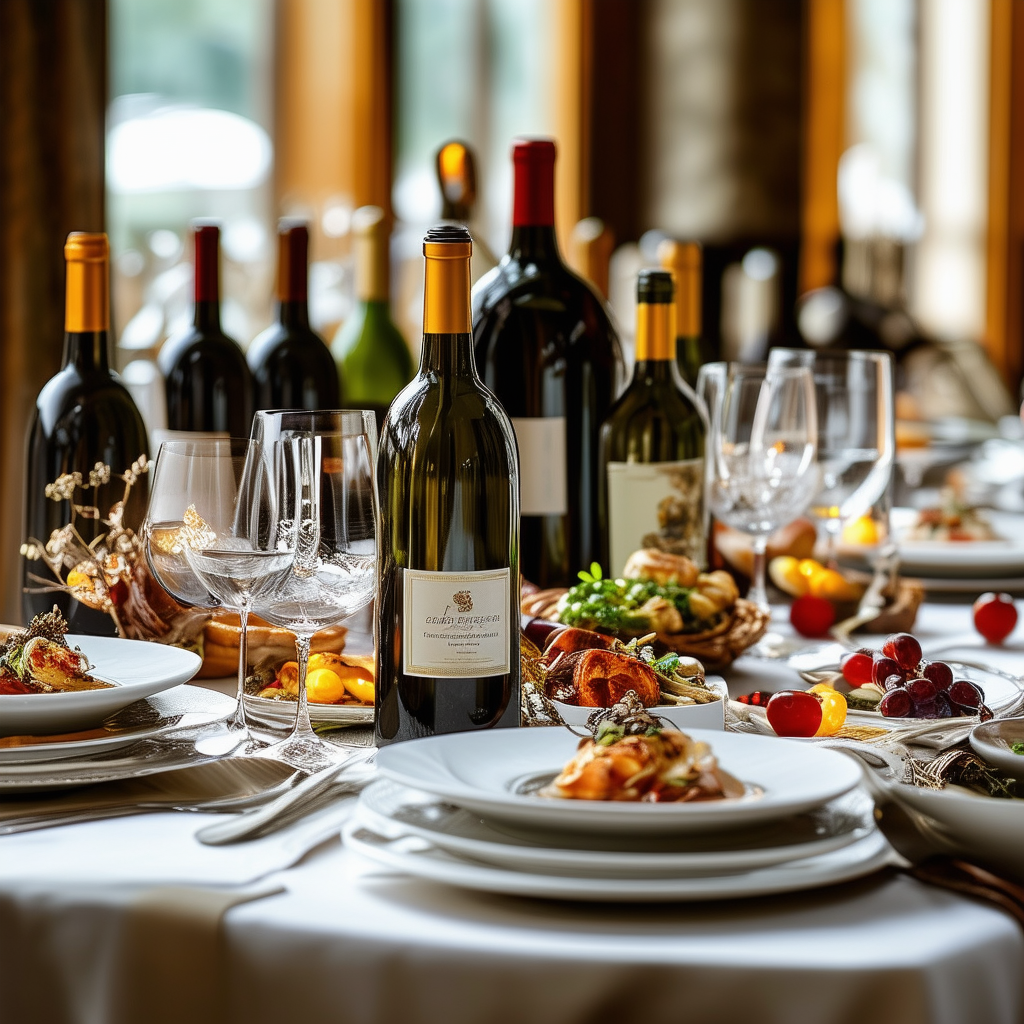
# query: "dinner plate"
968,823
974,559
187,723
137,668
496,772
281,713
414,856
393,810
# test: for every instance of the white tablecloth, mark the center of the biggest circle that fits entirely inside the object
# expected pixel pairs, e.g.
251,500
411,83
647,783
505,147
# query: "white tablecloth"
348,941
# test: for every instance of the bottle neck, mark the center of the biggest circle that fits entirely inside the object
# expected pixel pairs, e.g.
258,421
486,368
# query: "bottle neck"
293,313
87,351
206,317
448,355
534,243
655,332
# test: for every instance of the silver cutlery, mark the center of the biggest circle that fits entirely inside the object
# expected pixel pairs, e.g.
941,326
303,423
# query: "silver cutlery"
310,793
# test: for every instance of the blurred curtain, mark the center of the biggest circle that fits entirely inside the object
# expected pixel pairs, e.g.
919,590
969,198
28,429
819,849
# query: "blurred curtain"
53,86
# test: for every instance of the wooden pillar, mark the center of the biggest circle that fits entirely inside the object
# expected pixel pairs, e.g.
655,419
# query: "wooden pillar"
1004,333
824,131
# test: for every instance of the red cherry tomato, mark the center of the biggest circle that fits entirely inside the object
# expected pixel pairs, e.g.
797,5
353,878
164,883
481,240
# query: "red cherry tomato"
995,616
812,616
794,713
857,667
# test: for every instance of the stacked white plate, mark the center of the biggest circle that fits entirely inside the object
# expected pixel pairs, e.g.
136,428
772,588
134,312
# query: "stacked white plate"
464,810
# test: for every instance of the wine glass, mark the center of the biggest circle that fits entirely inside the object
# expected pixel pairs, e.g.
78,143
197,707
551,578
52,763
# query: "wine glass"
856,431
764,471
201,534
320,465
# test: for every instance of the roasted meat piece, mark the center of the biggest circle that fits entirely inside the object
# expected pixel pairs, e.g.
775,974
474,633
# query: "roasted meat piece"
599,679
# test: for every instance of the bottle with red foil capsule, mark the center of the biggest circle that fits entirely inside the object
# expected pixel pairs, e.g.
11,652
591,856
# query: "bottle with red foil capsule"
209,386
292,367
545,346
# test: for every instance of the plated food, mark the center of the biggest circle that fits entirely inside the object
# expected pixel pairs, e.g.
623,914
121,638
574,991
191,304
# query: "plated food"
656,766
953,521
40,660
687,611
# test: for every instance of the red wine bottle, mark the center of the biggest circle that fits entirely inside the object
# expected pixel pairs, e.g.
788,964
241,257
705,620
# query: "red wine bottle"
84,415
546,347
209,386
292,367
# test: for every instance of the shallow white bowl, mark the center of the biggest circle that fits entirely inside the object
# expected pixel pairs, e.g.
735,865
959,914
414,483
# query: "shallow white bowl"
491,772
682,716
137,668
992,741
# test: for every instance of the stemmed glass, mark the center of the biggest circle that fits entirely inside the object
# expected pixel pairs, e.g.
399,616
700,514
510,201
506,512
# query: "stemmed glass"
763,456
201,534
320,467
856,431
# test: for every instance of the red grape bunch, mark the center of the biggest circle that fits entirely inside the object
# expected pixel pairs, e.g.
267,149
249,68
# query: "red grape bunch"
912,687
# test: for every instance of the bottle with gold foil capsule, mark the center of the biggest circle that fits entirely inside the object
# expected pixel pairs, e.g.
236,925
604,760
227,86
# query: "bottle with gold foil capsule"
652,445
83,416
292,367
372,357
448,534
684,261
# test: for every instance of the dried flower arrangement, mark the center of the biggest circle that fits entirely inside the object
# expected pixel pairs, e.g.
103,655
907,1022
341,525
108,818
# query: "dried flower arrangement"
109,573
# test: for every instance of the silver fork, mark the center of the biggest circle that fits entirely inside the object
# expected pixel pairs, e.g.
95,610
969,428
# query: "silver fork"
221,805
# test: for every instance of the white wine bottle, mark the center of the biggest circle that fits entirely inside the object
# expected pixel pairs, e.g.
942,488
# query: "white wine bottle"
652,444
448,536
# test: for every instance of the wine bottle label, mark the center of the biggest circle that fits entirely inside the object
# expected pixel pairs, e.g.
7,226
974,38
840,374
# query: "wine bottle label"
456,624
542,471
655,505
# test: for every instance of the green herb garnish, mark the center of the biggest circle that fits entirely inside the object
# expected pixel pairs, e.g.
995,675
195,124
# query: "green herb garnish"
1017,748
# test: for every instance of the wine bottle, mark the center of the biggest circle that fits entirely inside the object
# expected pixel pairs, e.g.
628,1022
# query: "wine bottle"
83,416
456,178
448,536
683,260
209,386
546,347
652,444
292,367
372,356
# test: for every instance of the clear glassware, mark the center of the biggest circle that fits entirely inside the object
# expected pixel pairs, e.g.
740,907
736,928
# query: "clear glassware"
201,535
320,464
856,431
764,469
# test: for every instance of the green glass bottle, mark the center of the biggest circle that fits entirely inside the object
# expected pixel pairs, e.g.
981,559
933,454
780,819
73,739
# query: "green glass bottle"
651,446
684,261
373,359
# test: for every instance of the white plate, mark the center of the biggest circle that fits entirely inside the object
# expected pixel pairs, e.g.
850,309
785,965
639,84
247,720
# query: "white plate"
190,732
138,669
971,824
488,771
991,741
976,559
281,713
31,753
416,857
682,716
392,810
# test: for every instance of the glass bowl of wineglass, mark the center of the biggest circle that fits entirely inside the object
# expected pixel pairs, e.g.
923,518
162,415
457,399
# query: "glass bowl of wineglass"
319,467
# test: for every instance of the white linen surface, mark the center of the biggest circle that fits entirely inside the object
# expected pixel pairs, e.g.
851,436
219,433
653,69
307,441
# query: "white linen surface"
350,941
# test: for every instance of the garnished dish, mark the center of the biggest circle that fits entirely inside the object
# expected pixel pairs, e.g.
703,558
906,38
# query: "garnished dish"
39,660
666,595
952,520
331,679
631,757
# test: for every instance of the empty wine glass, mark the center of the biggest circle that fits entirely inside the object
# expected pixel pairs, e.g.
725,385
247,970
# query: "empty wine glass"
764,471
201,538
319,464
856,431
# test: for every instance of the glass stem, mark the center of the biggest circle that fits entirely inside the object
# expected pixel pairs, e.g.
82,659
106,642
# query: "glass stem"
303,727
237,720
758,594
833,527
